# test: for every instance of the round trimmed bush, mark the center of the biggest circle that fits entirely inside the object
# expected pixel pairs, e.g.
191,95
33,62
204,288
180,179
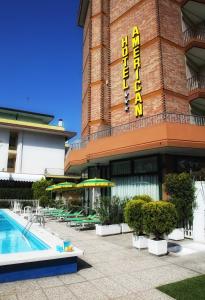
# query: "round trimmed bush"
144,197
159,217
134,215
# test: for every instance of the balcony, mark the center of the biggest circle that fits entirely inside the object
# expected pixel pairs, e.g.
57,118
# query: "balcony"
148,135
194,36
140,123
196,82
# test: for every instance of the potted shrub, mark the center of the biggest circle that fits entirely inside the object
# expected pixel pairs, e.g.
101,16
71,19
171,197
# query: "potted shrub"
134,218
108,210
181,192
125,228
159,218
143,197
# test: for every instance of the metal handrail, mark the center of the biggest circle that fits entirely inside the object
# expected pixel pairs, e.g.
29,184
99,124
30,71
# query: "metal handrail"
196,82
141,123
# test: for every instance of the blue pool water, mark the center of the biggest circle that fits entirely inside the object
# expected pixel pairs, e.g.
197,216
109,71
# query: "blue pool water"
12,240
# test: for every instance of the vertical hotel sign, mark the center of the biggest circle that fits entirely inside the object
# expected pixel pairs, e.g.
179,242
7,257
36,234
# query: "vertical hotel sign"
138,103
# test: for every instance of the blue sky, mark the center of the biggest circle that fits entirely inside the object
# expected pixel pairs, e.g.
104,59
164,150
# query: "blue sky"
41,57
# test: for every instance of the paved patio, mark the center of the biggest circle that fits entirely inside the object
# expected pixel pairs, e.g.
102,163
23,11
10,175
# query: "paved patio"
110,269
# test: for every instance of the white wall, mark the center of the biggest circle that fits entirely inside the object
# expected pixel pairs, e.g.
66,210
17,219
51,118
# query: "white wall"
41,151
4,146
199,213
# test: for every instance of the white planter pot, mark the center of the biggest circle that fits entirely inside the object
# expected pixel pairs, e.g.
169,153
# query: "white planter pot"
139,242
177,234
125,228
107,229
157,247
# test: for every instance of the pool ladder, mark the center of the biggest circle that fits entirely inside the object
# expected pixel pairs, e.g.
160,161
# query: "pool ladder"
39,218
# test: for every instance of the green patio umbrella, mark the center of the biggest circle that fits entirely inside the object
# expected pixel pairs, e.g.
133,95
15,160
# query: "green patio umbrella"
63,186
95,183
51,187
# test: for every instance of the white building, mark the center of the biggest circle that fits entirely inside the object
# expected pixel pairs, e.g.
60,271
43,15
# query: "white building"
30,147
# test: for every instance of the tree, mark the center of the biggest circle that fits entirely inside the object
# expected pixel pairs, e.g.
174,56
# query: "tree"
40,193
159,217
134,215
181,191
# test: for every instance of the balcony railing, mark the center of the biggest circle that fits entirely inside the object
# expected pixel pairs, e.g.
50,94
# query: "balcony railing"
194,34
196,82
53,172
141,123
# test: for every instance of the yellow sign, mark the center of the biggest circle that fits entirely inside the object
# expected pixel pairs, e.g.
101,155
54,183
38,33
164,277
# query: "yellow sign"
125,57
136,66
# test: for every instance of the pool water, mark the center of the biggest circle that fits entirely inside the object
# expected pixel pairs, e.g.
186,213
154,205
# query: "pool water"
13,238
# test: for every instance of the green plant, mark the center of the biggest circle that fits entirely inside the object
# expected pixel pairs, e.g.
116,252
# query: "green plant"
40,193
123,203
143,197
109,210
134,215
159,218
181,191
103,210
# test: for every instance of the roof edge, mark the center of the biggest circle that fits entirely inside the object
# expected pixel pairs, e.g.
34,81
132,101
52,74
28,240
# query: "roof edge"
26,112
82,12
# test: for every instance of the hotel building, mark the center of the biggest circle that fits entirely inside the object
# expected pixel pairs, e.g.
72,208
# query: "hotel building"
143,95
30,149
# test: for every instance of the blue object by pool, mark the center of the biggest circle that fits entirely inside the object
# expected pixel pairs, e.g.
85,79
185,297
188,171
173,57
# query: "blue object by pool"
66,244
12,239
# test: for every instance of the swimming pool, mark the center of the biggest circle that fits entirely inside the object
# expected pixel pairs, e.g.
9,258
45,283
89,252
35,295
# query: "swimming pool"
13,239
31,255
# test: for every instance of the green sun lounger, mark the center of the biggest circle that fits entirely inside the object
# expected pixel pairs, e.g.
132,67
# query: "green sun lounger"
73,215
89,219
63,214
53,212
86,223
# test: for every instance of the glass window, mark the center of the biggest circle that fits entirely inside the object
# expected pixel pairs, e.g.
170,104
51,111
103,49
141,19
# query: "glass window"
84,174
121,167
145,165
13,141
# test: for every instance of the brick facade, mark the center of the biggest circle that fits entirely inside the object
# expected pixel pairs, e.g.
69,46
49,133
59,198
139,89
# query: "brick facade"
163,72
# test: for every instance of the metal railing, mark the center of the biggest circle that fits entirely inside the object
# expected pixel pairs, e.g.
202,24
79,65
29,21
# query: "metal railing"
194,34
141,123
196,82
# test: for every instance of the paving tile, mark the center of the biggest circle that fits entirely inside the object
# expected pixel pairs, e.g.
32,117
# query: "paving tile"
110,288
90,273
49,282
7,288
132,284
26,285
71,278
87,291
130,297
154,294
108,269
31,295
163,275
8,297
59,293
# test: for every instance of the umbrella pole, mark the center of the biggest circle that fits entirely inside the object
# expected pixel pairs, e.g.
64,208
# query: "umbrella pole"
93,198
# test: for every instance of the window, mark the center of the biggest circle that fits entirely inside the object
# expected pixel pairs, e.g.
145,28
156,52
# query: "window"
145,165
13,141
11,164
121,168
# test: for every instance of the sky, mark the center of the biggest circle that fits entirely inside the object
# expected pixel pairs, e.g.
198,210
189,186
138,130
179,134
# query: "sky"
41,58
